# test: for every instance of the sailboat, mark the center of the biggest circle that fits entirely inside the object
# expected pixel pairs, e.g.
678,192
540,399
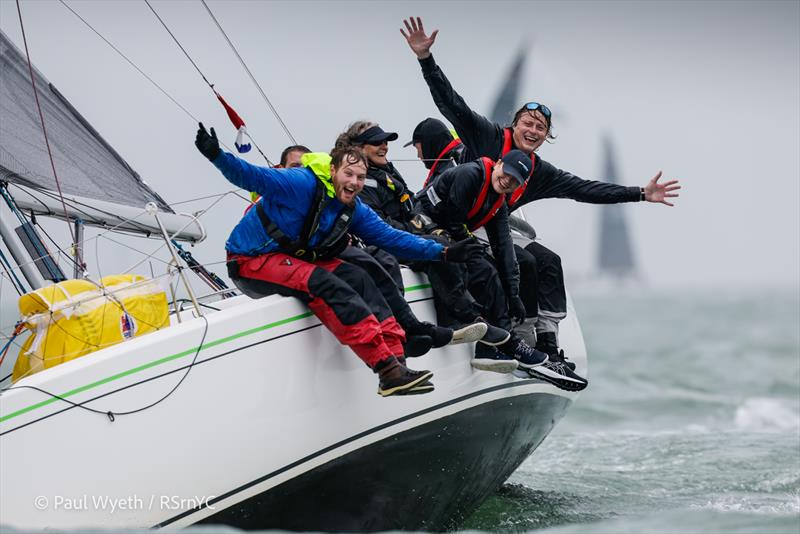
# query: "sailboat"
241,412
615,258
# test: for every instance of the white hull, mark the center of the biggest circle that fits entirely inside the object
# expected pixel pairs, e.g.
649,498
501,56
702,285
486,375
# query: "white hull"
272,398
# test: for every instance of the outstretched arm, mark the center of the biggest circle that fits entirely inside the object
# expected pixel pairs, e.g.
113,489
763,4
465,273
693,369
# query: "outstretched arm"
266,181
659,193
479,135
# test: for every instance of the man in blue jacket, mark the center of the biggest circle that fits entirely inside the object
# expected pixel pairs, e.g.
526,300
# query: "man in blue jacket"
288,245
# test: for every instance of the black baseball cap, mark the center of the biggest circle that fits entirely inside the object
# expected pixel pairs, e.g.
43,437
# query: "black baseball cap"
426,130
375,136
518,165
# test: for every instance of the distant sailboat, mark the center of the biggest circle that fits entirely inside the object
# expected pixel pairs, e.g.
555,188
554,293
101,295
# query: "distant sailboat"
507,100
615,257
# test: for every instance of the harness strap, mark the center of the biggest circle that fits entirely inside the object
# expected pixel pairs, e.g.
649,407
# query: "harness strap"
518,192
454,143
476,207
300,248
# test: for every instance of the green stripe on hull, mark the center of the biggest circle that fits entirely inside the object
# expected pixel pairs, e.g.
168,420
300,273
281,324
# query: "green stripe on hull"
166,359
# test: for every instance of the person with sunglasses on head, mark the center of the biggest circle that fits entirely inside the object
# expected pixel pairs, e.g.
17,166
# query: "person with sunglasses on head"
386,192
288,244
472,196
543,290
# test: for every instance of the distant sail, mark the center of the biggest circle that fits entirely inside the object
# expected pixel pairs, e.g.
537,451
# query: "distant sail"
615,254
87,166
508,99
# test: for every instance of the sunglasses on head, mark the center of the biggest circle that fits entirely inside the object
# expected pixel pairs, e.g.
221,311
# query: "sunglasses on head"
533,106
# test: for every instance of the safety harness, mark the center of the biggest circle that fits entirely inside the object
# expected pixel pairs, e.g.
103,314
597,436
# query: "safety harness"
507,145
333,243
473,223
454,143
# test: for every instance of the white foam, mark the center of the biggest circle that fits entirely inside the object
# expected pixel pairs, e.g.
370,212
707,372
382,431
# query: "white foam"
767,415
748,505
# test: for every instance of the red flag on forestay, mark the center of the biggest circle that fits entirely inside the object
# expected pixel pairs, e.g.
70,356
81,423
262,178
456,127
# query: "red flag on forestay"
238,123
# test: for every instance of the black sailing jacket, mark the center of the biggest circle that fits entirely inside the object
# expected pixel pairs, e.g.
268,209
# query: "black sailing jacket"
449,198
386,193
482,137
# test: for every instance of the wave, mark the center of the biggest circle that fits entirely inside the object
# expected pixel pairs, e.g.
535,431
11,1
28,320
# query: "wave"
762,414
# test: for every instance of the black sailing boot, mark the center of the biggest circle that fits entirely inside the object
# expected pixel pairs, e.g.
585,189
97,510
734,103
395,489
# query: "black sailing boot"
395,378
546,342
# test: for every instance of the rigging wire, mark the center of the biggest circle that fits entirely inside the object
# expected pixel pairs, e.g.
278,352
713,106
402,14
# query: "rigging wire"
41,118
252,78
111,414
143,73
210,85
132,64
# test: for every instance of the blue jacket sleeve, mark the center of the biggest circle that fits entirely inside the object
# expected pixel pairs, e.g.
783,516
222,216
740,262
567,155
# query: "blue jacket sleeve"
266,181
374,231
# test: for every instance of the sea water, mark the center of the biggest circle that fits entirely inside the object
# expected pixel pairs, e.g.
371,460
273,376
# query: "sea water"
691,424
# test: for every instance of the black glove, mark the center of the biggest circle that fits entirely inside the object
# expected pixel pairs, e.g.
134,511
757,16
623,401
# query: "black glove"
208,145
462,251
516,309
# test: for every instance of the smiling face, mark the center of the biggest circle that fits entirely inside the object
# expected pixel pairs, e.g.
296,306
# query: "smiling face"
502,182
376,154
530,131
348,180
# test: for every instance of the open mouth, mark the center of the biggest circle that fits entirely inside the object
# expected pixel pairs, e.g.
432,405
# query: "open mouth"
530,139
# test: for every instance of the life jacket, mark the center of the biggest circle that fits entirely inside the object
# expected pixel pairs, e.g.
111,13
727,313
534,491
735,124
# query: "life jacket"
336,240
397,188
473,223
454,143
507,145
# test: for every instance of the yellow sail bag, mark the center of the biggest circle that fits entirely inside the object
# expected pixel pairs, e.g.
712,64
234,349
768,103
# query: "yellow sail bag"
76,317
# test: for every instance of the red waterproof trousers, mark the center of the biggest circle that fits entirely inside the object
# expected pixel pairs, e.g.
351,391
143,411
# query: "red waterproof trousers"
341,295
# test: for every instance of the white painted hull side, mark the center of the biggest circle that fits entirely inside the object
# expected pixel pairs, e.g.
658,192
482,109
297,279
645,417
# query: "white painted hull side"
271,392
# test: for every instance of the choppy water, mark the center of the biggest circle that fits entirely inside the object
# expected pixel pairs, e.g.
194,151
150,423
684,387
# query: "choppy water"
691,424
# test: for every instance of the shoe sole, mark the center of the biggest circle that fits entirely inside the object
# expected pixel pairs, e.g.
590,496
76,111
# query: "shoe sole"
469,334
530,366
392,391
496,366
418,390
495,344
560,382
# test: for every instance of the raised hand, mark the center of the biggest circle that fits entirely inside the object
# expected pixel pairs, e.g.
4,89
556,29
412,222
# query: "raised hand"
416,38
208,145
659,193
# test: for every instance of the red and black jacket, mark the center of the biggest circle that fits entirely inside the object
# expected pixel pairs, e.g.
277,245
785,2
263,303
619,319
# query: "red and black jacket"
484,138
461,200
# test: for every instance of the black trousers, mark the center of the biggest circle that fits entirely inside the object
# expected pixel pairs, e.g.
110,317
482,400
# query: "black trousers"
542,285
384,270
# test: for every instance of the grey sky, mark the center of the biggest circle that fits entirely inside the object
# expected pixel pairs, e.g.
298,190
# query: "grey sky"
708,92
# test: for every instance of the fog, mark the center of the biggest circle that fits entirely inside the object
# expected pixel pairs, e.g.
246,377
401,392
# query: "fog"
707,92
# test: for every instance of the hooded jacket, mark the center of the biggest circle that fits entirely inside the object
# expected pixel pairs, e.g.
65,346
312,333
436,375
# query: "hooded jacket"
448,200
286,197
481,137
